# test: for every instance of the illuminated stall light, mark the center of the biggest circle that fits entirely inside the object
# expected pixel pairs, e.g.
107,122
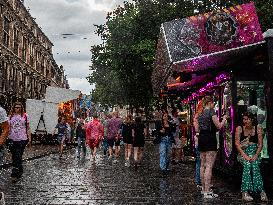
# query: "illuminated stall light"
211,85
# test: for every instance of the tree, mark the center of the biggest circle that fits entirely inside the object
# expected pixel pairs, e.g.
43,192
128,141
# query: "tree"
127,54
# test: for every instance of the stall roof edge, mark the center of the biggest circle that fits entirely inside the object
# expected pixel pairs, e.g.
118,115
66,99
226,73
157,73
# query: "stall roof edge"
268,33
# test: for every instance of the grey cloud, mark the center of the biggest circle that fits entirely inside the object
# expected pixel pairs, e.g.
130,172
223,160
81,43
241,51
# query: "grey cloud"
57,17
81,84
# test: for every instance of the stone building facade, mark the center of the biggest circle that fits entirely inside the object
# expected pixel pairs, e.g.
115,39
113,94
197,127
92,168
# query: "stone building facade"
27,65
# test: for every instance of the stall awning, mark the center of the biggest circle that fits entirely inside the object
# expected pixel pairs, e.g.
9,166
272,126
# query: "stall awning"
210,40
188,85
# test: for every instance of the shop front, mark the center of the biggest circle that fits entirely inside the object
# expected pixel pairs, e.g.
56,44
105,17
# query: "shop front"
226,55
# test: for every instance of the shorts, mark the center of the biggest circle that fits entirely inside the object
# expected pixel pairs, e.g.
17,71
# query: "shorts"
92,143
117,142
61,138
207,141
111,142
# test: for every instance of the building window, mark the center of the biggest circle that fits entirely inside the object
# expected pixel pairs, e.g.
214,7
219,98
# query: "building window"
24,49
42,67
31,55
38,59
6,32
16,42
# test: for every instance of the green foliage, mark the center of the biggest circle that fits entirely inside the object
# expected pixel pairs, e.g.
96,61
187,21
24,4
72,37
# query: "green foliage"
122,65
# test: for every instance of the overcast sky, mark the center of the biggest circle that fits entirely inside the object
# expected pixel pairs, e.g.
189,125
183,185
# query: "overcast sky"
58,17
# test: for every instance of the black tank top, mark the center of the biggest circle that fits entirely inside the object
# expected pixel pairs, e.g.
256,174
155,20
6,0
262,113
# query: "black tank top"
253,139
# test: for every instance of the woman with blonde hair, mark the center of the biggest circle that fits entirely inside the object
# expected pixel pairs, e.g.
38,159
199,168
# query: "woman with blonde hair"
205,122
19,136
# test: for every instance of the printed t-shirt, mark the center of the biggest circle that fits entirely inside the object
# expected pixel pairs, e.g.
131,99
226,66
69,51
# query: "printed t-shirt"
18,127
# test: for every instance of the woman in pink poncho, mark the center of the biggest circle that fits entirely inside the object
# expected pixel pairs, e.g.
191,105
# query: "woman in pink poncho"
94,134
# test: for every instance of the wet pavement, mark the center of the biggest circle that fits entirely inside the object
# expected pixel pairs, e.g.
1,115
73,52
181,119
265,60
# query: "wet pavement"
32,152
50,180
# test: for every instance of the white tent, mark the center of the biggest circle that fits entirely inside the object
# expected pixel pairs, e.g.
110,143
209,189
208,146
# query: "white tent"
48,108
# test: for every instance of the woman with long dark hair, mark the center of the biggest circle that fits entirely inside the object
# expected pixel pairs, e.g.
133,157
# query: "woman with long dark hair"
19,136
249,143
126,132
166,133
206,120
139,132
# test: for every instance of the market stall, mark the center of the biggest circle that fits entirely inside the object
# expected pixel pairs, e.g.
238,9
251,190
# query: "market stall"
225,54
44,114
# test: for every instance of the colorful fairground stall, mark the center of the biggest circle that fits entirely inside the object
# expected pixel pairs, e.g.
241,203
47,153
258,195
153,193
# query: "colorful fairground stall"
225,54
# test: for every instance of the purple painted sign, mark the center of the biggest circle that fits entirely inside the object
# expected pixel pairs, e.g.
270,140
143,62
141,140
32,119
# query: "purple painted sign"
192,41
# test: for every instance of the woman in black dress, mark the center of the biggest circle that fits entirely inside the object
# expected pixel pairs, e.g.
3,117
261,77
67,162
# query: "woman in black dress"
139,132
126,132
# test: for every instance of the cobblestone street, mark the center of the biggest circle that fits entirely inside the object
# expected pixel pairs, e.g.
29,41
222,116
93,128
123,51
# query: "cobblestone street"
50,180
33,152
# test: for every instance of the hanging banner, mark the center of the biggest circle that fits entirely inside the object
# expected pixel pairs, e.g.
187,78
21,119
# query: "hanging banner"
212,32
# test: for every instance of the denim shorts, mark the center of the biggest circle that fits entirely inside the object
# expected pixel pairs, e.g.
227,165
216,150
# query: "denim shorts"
60,138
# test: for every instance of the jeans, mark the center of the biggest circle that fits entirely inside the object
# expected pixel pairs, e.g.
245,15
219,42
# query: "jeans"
197,167
17,150
2,154
81,144
105,145
164,151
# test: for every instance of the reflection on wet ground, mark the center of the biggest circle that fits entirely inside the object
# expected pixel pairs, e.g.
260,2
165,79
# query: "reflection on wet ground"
50,180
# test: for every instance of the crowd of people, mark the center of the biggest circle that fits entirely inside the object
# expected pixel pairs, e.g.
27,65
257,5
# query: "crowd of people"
110,131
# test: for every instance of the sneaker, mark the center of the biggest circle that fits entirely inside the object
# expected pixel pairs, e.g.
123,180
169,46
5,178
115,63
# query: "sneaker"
246,197
2,198
199,187
115,161
263,196
202,192
210,195
127,164
110,157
